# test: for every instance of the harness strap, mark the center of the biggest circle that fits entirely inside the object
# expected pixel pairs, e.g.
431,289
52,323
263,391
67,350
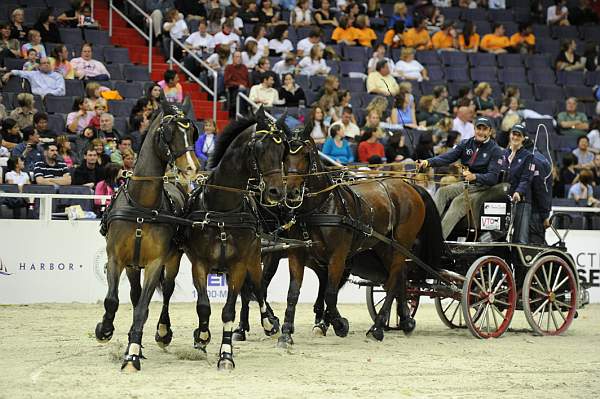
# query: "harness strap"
137,244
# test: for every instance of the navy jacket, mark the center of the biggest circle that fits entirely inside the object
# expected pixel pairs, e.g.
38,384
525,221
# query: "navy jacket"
519,172
486,165
541,186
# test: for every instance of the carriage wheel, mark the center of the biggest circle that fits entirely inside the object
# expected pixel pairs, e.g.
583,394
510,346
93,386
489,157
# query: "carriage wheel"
550,296
375,298
489,297
450,312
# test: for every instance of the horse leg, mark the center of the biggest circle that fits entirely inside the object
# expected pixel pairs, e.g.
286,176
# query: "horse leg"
407,323
202,333
134,277
269,322
296,266
239,334
335,271
269,270
164,334
133,354
104,329
391,288
320,328
237,274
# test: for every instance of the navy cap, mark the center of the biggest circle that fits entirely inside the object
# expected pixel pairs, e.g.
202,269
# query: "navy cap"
482,120
518,128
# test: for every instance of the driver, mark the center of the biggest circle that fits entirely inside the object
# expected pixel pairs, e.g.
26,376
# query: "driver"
482,159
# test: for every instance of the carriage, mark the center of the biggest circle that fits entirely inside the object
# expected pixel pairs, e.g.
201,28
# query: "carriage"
486,278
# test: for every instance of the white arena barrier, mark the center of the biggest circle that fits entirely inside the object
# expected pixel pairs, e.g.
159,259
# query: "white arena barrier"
64,261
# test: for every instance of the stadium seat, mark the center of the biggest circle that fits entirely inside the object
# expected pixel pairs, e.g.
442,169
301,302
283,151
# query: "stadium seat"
428,57
545,92
346,67
115,71
592,78
121,108
74,88
435,73
454,58
32,14
510,60
575,78
541,76
483,27
58,105
96,37
317,82
450,13
543,107
565,32
14,63
474,14
512,75
482,59
71,35
501,16
86,204
121,123
114,55
534,61
590,33
540,30
356,53
16,85
129,89
37,189
484,74
136,73
456,74
56,123
525,90
581,92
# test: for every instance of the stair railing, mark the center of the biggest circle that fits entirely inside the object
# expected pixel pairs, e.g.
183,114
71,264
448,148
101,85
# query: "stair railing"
147,36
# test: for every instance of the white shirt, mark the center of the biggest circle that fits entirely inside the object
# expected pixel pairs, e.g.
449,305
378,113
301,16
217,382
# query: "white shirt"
262,44
317,133
551,16
311,67
282,68
267,95
209,144
281,47
350,130
231,38
305,46
409,70
178,30
249,61
594,138
20,179
299,15
497,4
197,41
466,129
214,60
373,61
238,23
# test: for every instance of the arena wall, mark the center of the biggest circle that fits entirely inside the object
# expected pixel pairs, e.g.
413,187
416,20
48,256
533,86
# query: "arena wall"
64,261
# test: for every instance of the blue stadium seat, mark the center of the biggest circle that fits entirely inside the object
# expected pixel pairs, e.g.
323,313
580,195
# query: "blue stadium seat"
474,14
484,74
501,16
129,89
512,75
121,108
136,73
456,74
71,35
86,204
58,105
570,78
116,73
541,76
346,67
565,32
435,73
590,33
428,57
592,78
74,88
96,37
543,107
482,59
121,124
37,189
57,122
534,61
16,85
525,90
450,13
14,63
454,58
114,55
510,60
356,53
545,92
317,82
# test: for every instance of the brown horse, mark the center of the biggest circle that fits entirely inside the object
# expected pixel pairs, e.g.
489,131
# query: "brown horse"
345,220
248,163
140,228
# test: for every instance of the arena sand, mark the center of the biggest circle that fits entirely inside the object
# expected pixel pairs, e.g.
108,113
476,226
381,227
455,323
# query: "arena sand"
49,351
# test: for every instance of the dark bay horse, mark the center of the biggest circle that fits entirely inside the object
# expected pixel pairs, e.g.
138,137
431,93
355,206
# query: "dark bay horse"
139,231
345,220
248,162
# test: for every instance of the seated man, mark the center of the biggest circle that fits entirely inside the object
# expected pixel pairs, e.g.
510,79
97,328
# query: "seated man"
572,122
89,173
483,159
264,93
50,171
88,68
107,129
381,80
125,143
43,82
28,149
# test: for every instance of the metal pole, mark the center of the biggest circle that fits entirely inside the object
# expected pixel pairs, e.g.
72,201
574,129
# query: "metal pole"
237,105
215,97
92,5
110,11
170,54
150,45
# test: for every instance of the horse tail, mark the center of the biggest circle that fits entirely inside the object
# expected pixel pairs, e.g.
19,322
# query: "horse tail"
431,245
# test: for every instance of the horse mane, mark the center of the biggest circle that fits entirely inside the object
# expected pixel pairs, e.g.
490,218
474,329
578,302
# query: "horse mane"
224,140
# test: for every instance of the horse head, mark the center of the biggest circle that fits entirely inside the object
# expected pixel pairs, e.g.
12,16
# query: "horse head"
299,163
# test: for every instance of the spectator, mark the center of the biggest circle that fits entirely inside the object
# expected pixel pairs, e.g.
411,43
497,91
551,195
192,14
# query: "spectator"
10,135
324,16
381,80
18,30
348,124
523,41
583,189
177,28
571,122
279,45
582,13
290,92
237,80
393,38
32,61
154,94
448,143
25,111
198,43
108,185
250,14
99,108
462,123
441,105
28,148
585,157
370,147
344,33
193,10
496,42
373,120
426,114
107,130
378,55
594,135
268,15
404,109
264,93
305,45
316,125
215,21
65,152
124,143
43,82
157,10
446,39
380,104
138,129
50,171
301,15
128,160
40,124
343,101
400,15
9,47
596,169
558,14
336,147
205,144
364,35
88,68
251,56
99,146
59,62
92,93
16,172
396,149
287,65
35,42
231,12
84,140
424,148
259,36
227,36
484,102
566,174
71,17
314,64
89,172
171,87
567,60
591,54
468,40
418,37
408,68
263,66
81,115
464,97
142,108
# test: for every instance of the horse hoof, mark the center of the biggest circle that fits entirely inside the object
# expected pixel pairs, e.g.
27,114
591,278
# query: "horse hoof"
239,334
225,362
319,330
199,342
375,333
103,336
341,326
408,325
131,364
129,368
163,342
285,341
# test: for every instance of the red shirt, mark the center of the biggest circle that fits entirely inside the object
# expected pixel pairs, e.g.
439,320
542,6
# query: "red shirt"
366,150
236,75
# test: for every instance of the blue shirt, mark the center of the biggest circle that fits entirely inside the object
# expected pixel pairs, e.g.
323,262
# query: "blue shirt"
483,159
541,186
341,154
33,156
519,172
43,83
408,22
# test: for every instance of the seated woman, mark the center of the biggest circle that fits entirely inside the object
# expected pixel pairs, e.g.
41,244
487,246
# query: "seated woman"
251,56
396,149
81,116
290,92
370,148
484,102
108,186
314,64
205,144
426,115
404,109
316,125
567,60
280,43
583,189
408,68
393,37
59,62
468,40
378,55
344,33
336,147
365,36
259,35
16,172
324,16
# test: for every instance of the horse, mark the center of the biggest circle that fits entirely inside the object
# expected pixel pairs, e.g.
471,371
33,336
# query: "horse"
385,215
141,226
247,161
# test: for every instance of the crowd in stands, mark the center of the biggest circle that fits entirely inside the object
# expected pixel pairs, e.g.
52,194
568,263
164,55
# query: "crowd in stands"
361,75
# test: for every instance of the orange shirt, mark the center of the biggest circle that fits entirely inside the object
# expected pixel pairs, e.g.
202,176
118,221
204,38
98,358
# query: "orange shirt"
517,38
365,36
441,40
494,42
388,39
340,34
418,40
473,41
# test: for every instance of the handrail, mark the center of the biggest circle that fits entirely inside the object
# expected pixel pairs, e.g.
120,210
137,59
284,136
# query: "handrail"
46,200
575,209
214,90
148,36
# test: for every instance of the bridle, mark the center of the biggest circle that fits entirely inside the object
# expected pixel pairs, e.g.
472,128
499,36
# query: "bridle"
165,138
296,144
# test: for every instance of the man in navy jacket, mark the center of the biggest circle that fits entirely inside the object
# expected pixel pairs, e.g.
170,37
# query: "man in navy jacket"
541,197
482,158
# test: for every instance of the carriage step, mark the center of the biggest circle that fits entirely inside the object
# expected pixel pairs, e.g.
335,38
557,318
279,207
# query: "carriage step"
362,283
452,276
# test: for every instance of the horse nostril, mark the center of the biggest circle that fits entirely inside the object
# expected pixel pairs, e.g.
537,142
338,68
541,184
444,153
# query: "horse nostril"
293,194
275,192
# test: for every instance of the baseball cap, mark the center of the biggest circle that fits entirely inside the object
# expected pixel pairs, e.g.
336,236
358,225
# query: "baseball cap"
482,120
518,128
